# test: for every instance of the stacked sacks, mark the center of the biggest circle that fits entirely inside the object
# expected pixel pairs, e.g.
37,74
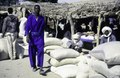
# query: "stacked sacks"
63,56
91,67
108,54
52,44
63,62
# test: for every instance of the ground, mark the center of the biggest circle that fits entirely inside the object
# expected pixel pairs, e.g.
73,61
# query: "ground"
20,68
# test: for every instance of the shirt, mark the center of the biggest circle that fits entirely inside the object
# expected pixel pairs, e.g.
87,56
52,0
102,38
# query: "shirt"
34,25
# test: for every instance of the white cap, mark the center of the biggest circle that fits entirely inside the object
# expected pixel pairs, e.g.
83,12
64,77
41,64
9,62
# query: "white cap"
106,28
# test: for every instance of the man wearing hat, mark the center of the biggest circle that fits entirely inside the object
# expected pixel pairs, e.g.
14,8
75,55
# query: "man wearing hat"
107,35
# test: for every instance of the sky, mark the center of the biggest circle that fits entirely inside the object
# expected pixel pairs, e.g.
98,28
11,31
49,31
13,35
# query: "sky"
67,1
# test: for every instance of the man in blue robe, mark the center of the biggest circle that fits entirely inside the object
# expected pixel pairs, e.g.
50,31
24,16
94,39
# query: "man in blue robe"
34,32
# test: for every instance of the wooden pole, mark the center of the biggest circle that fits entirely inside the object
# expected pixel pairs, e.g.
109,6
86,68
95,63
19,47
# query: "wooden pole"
98,30
71,24
56,27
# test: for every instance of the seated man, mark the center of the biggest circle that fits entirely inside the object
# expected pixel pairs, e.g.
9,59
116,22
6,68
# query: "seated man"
78,44
107,35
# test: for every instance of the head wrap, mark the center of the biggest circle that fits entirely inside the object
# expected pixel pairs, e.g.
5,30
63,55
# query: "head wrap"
105,29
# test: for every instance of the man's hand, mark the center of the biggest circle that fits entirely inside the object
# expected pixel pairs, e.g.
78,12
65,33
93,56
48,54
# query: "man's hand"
27,39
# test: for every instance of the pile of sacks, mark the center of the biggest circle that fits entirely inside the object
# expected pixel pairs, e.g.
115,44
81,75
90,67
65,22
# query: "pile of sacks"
52,44
101,62
4,54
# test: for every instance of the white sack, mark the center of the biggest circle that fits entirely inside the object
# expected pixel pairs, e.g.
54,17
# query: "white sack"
66,61
101,67
3,49
109,51
93,74
66,71
52,47
83,71
115,70
53,41
64,53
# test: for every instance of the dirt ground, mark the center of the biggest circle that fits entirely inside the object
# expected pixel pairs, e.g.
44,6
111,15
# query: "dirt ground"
20,68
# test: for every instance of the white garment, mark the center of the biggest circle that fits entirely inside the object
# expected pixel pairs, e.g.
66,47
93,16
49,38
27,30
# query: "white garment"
22,25
61,26
11,41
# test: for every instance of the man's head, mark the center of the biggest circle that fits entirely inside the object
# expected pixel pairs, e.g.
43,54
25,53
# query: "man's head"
10,10
106,30
36,9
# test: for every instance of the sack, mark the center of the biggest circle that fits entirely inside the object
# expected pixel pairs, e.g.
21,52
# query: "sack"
101,67
53,41
83,70
66,71
52,47
60,54
110,52
3,49
115,70
93,74
66,61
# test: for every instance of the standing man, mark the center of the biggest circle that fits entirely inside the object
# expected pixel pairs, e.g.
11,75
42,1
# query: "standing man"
10,31
35,37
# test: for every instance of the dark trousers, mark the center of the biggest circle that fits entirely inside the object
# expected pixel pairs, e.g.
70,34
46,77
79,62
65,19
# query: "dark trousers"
36,50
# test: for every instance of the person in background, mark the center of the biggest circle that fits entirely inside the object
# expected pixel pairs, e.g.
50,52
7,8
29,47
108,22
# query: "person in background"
10,31
23,21
107,35
77,43
34,32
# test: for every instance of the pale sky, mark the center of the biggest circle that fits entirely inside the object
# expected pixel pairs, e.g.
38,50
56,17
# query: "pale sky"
67,1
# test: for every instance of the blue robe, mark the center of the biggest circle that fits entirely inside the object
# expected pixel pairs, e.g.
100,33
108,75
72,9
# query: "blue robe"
35,29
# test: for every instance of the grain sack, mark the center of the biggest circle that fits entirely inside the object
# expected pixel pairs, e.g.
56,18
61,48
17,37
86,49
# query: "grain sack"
99,54
52,47
82,59
48,51
82,75
3,49
115,70
66,71
93,74
53,41
101,67
62,62
83,70
111,51
60,54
